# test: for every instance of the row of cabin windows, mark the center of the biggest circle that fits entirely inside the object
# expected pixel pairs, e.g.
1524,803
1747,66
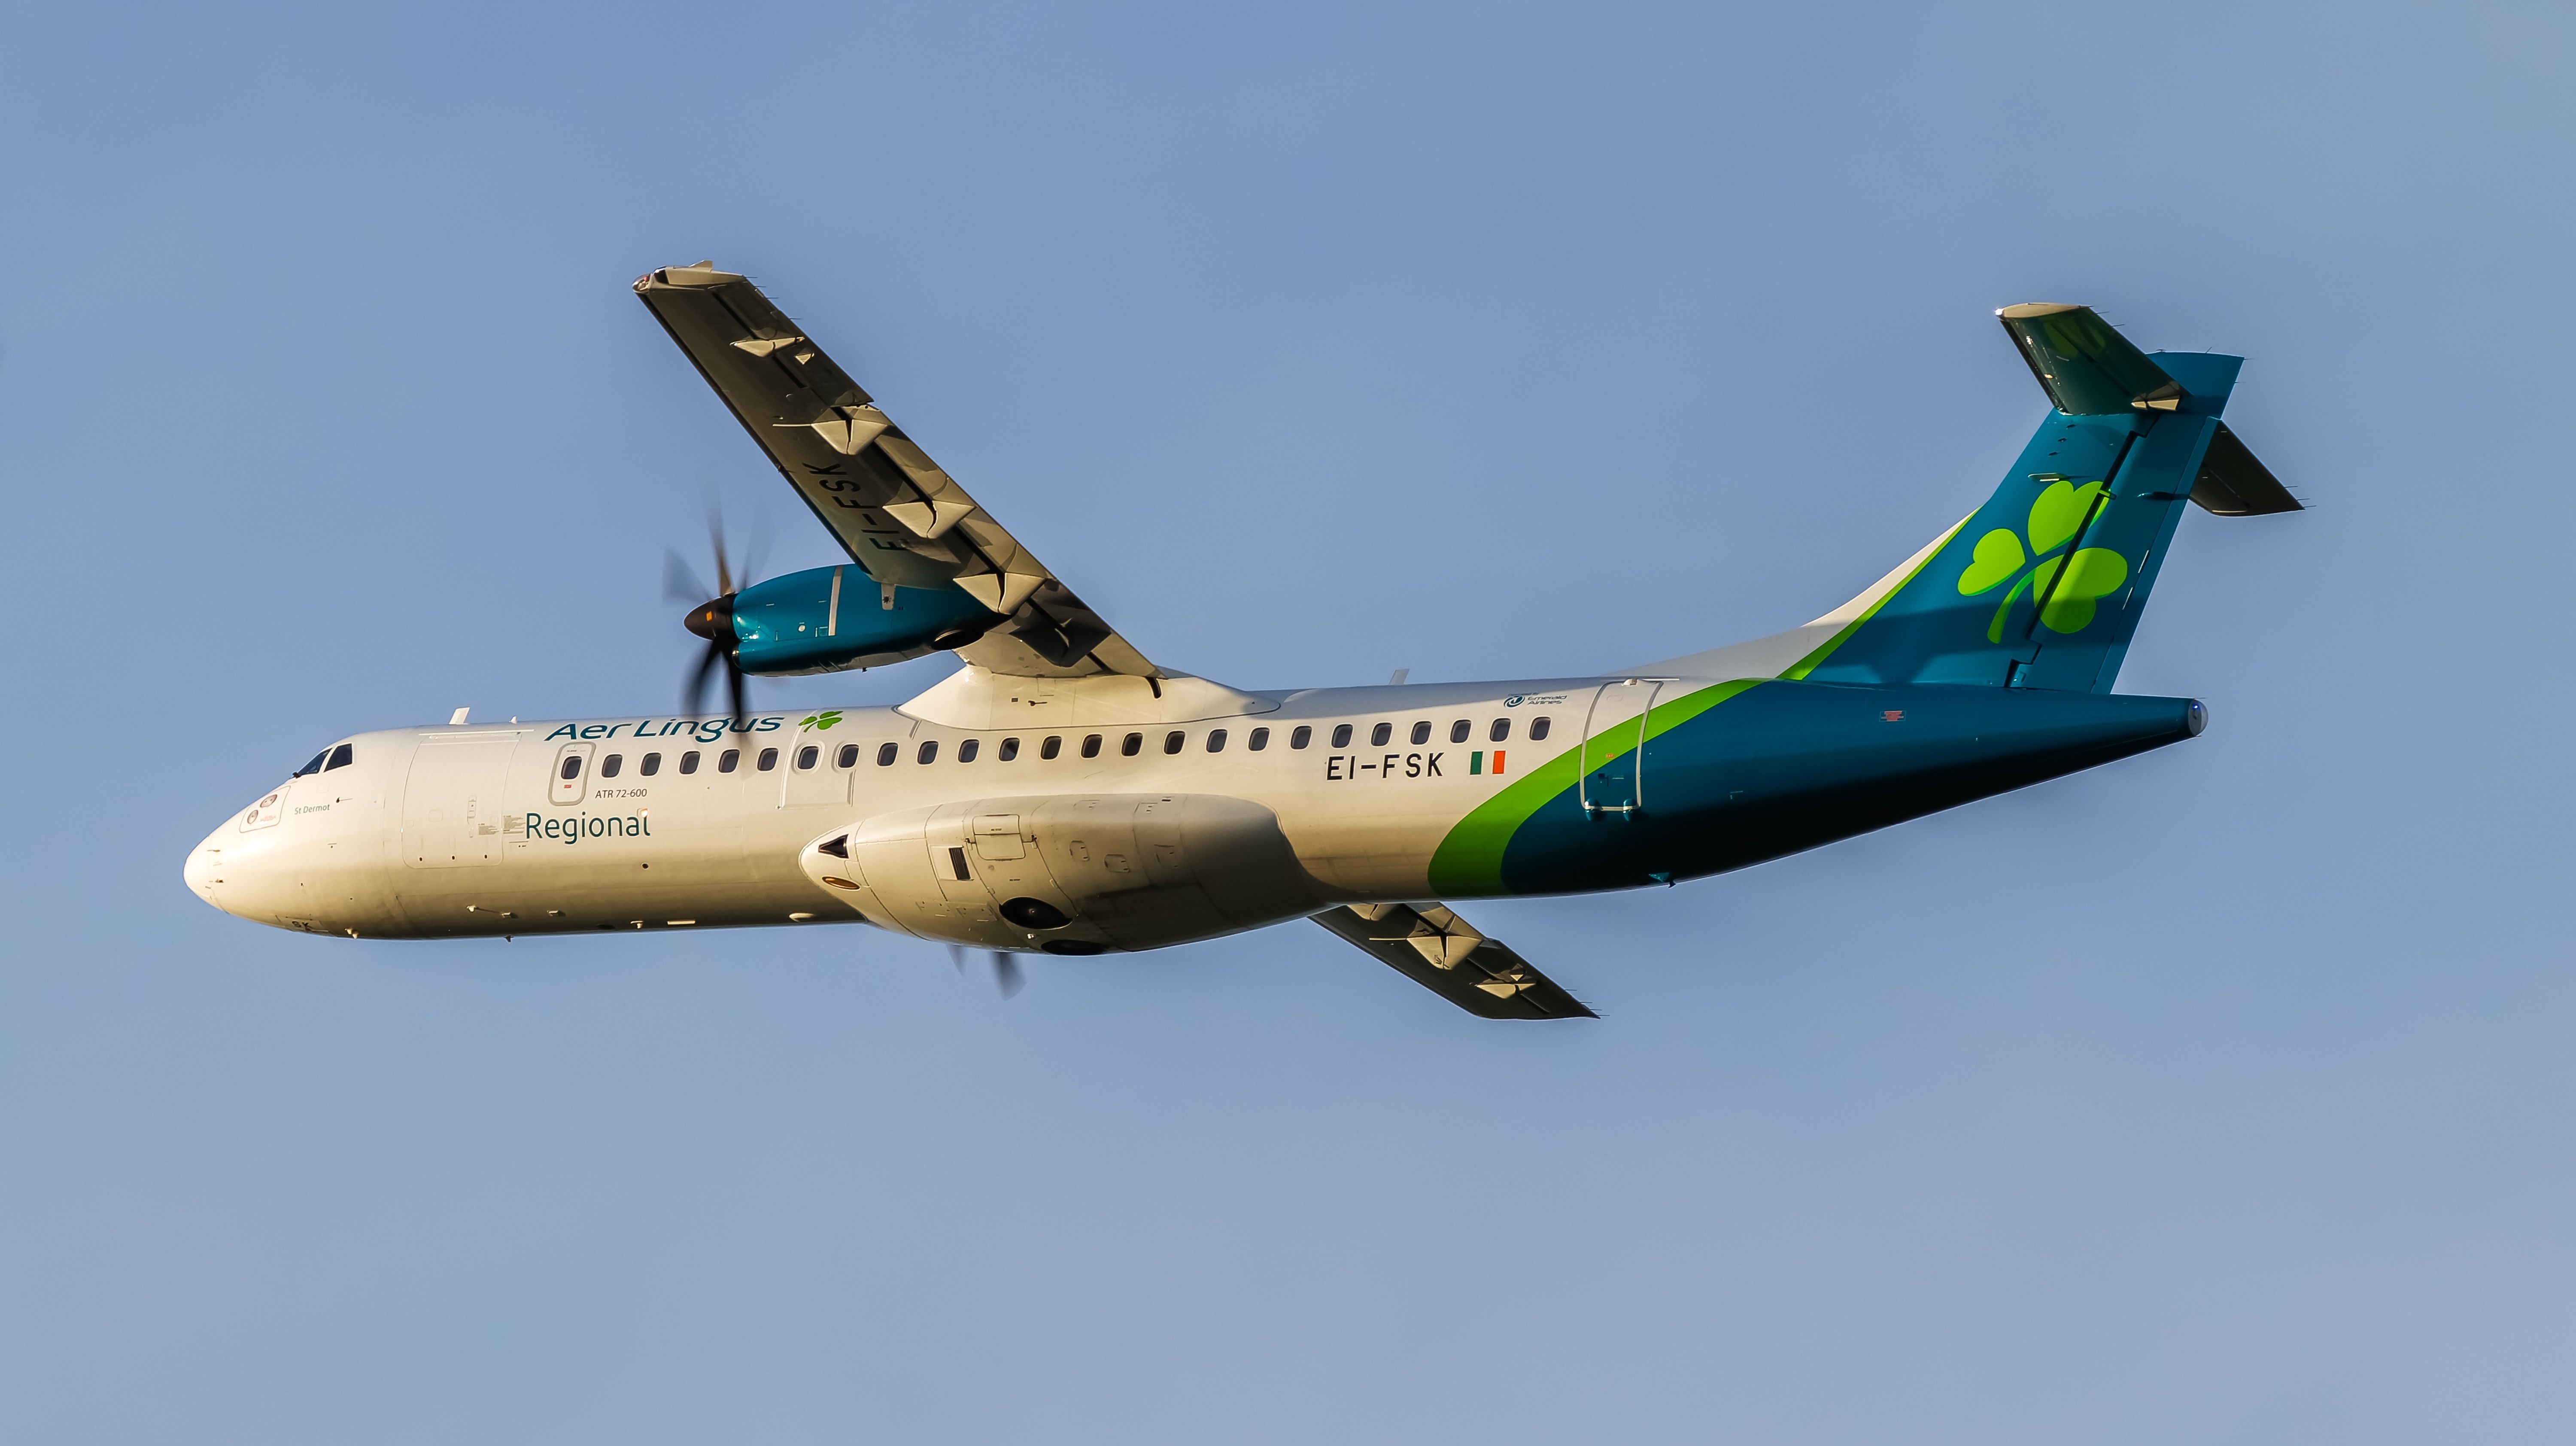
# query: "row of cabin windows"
726,762
1052,746
1499,731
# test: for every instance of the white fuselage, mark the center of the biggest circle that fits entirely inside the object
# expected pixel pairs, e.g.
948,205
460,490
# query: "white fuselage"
653,823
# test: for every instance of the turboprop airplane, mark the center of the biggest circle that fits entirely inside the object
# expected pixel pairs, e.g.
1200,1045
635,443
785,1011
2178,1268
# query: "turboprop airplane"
1062,794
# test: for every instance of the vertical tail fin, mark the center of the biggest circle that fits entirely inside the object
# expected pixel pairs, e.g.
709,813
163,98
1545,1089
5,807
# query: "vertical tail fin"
2042,587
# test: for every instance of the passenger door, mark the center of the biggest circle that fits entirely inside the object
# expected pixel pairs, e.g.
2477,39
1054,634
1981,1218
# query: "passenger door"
452,803
572,773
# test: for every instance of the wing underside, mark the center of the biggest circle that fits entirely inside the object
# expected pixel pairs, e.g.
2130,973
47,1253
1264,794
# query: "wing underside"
1436,949
900,516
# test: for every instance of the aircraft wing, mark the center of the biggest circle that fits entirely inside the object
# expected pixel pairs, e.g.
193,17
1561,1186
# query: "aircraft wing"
1436,949
903,520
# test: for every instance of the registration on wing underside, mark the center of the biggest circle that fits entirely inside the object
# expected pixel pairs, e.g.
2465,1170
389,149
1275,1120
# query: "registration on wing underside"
901,517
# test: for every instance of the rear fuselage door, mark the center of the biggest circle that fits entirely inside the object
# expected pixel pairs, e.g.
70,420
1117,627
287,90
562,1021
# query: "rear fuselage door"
452,806
1612,779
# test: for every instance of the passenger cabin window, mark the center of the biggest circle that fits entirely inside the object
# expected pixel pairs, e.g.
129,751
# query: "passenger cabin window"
848,757
1009,750
929,751
1216,740
608,766
1131,745
1538,729
1460,731
768,760
1050,748
689,761
1091,746
1421,734
967,750
651,765
886,753
807,757
729,760
1381,733
1257,740
341,757
1300,736
1501,731
572,766
1342,735
1173,740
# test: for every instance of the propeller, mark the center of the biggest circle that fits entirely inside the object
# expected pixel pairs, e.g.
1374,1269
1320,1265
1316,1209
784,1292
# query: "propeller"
1006,968
711,620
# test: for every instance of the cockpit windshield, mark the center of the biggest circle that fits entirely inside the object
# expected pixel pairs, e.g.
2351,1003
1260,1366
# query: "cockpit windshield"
340,756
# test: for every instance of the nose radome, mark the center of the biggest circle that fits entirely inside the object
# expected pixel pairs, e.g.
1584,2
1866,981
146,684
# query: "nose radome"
205,868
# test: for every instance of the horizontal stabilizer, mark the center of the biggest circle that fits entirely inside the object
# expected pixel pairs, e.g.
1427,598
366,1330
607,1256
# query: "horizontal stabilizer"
2233,483
2087,368
1436,949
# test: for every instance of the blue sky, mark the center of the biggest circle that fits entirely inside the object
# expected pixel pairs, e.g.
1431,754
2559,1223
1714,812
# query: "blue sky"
2223,1094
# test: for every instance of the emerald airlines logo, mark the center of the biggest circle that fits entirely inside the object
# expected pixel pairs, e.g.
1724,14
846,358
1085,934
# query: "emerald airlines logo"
2055,518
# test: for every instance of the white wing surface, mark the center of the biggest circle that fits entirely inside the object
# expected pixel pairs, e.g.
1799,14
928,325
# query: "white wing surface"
903,519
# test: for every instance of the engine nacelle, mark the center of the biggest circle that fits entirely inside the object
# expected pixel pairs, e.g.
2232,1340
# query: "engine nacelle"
826,619
1069,873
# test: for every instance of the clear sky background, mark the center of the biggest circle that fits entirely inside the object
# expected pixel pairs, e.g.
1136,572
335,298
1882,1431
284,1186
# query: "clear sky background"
2223,1094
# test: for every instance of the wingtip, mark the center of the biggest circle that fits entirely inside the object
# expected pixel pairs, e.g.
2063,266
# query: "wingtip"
697,275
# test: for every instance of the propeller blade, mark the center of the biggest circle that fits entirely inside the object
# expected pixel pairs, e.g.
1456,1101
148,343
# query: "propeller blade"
679,584
693,695
712,619
755,553
716,543
1006,967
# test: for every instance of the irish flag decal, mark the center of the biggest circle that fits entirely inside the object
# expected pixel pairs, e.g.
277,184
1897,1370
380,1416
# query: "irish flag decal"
1476,762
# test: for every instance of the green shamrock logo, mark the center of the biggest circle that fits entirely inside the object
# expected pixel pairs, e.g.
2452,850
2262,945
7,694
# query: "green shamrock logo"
822,720
2055,518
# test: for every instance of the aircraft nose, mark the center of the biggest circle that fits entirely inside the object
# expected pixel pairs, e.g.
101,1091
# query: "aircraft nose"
204,869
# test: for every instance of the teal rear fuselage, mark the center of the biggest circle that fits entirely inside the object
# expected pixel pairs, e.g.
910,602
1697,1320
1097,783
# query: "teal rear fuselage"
1781,766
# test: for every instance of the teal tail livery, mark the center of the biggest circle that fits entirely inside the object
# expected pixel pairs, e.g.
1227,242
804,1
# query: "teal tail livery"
2042,587
1061,794
1988,629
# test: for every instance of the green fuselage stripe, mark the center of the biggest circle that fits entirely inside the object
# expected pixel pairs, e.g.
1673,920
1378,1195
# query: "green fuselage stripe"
1469,862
